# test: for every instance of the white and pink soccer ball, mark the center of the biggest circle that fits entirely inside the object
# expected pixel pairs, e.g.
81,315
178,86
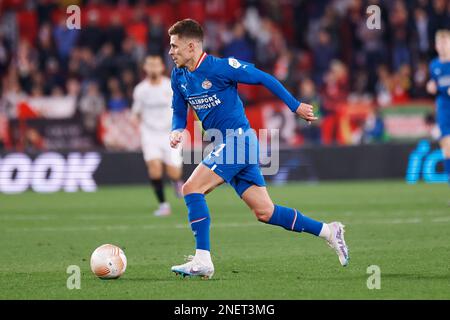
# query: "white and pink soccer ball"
108,262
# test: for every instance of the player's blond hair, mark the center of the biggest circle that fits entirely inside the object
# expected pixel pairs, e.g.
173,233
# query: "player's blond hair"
442,33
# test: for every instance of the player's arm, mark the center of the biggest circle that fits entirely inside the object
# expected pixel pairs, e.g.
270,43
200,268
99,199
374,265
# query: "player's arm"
431,86
179,116
136,108
249,74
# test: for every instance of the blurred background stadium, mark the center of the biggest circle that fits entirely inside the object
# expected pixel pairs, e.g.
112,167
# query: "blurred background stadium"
65,125
71,89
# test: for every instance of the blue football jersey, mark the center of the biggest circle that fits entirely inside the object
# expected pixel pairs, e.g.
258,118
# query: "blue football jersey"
211,91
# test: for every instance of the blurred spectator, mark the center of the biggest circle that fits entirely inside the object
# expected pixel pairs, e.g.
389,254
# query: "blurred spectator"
116,101
57,91
239,46
85,61
91,35
137,30
5,53
106,63
401,84
54,76
399,25
38,80
156,36
65,40
420,80
373,129
129,56
73,87
45,46
373,49
4,127
323,53
115,32
334,95
37,91
439,17
284,69
44,9
269,42
27,63
308,94
360,92
128,80
13,94
383,87
92,105
420,40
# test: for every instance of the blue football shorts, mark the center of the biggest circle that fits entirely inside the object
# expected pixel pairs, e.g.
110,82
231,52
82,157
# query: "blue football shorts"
236,161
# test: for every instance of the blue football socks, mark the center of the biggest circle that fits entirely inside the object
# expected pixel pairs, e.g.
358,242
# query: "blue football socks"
199,219
293,220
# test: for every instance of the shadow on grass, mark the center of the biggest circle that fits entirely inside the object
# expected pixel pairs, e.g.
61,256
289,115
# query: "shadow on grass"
168,279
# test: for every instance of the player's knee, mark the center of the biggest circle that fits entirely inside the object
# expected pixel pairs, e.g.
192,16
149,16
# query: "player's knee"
190,187
185,188
154,175
263,213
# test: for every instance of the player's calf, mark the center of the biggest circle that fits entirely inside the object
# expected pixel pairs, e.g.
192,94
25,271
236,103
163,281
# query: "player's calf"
292,220
263,214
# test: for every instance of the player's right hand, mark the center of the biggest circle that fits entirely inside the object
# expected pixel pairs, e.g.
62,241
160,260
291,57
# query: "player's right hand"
175,138
431,87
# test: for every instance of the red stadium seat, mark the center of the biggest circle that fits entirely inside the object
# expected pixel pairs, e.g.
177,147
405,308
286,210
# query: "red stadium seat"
28,25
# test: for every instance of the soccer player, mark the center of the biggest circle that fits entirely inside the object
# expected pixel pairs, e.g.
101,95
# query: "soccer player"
152,99
439,85
209,85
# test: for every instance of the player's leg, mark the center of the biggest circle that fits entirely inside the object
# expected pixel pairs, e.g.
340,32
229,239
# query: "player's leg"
445,146
212,172
259,201
153,152
202,180
173,160
155,173
175,173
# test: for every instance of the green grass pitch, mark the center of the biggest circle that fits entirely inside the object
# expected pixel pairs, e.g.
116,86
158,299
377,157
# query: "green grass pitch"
403,229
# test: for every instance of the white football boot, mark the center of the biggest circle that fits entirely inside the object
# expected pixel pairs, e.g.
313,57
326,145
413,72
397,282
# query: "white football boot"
163,210
194,267
337,242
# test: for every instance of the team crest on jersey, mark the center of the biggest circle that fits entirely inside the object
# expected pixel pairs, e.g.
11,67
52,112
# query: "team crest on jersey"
206,84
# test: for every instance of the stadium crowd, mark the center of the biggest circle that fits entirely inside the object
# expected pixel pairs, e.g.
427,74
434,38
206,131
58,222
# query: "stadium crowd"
322,50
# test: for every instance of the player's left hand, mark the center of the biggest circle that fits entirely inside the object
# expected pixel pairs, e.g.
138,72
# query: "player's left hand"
175,138
306,111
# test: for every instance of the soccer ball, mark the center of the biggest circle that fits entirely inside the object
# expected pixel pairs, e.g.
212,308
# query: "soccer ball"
108,262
